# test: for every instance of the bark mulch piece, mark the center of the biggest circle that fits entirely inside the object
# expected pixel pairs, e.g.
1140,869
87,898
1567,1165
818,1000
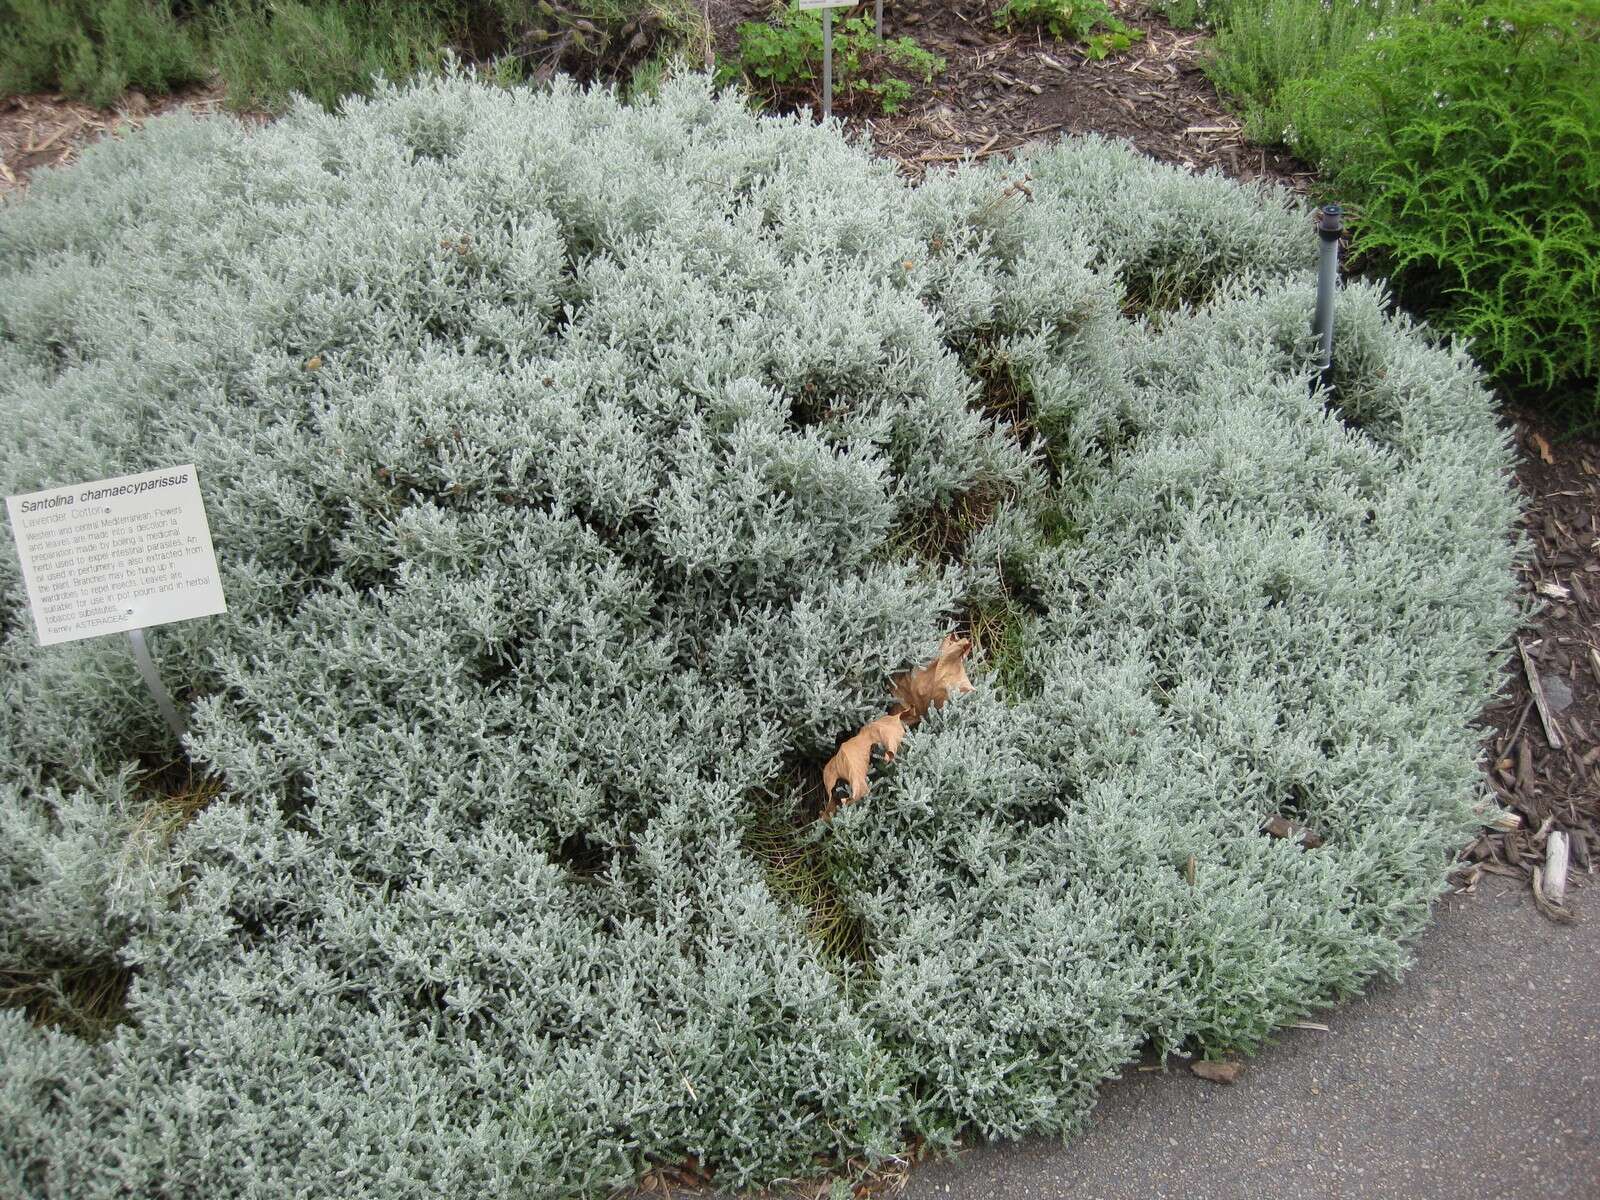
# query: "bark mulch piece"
1545,766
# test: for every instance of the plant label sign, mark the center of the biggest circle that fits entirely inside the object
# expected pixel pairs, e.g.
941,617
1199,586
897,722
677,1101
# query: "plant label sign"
116,555
804,4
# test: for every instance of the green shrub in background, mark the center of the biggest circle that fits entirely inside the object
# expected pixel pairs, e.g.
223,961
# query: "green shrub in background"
781,61
562,459
95,49
267,50
1469,137
1184,14
630,42
1087,22
1260,46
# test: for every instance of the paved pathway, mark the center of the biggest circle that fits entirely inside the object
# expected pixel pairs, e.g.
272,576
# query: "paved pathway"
1476,1077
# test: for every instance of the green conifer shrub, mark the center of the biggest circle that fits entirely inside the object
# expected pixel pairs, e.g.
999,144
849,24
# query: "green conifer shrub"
564,461
1258,48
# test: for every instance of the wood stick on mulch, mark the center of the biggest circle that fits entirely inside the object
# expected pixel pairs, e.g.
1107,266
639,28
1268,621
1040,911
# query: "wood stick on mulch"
1555,867
1521,721
982,152
1556,912
1551,732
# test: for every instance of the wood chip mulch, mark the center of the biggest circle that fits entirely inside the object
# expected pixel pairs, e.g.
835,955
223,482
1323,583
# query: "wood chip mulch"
1001,90
49,130
1543,730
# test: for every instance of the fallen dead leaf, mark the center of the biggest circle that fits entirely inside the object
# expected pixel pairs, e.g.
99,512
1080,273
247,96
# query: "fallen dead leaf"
1217,1072
314,363
1543,447
929,687
1554,590
844,778
848,768
1281,827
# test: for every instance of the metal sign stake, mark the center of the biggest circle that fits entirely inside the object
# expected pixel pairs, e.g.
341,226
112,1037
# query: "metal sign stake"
827,63
879,14
152,680
827,7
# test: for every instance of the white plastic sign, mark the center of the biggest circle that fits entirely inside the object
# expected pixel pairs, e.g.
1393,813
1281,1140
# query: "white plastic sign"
826,3
116,555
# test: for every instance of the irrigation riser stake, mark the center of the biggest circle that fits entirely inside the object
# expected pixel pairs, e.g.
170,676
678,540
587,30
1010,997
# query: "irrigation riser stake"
1330,227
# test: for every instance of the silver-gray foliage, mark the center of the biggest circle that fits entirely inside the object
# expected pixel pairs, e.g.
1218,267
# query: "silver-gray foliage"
593,529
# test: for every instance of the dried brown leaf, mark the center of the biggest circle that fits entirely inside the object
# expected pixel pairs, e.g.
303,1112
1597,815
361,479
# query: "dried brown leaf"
930,686
844,778
1281,827
854,759
1278,827
1217,1072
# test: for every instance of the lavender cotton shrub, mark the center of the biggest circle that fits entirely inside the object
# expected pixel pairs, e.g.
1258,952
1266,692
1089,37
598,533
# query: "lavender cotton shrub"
579,474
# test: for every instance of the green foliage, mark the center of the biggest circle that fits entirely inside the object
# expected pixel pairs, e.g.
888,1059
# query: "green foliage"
1088,22
553,584
1184,14
1259,47
94,49
781,62
267,51
1471,138
631,42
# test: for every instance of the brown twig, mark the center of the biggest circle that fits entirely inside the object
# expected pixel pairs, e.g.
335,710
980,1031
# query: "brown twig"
1552,732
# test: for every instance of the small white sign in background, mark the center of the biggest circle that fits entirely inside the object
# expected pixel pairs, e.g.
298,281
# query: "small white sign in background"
116,555
827,3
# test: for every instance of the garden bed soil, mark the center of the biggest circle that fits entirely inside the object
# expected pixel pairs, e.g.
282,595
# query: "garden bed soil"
1001,91
48,130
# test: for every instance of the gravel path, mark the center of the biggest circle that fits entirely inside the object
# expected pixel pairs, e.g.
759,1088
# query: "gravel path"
1477,1075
